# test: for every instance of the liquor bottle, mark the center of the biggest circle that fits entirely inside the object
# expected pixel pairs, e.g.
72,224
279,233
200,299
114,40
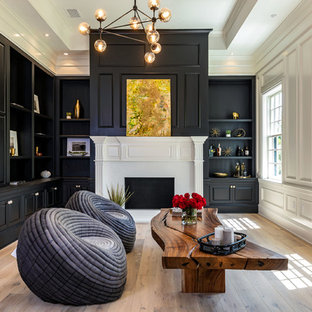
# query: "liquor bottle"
219,150
242,169
211,151
245,174
238,151
246,150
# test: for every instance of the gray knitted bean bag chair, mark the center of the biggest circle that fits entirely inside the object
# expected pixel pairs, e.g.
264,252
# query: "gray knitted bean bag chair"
67,257
108,212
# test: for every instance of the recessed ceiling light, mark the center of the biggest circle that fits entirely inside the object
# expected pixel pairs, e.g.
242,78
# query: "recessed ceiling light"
17,35
47,35
273,15
65,53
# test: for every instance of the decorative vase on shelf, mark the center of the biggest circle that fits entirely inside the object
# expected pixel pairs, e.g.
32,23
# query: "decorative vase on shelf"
189,205
77,110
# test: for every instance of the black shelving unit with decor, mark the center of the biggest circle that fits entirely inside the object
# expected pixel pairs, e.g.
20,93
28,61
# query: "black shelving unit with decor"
77,171
228,94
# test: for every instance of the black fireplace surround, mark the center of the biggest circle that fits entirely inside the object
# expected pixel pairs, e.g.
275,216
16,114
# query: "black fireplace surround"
150,193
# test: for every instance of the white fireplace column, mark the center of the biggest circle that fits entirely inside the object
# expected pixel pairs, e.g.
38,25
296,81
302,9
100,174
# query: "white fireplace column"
178,157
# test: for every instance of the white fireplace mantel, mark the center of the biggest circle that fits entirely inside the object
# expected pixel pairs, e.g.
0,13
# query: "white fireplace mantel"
177,157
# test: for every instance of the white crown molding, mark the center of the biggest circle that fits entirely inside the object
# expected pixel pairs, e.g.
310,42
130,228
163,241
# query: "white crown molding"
11,24
236,19
295,25
231,65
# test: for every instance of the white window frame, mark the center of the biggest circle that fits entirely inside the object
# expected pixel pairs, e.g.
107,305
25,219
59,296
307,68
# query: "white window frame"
267,133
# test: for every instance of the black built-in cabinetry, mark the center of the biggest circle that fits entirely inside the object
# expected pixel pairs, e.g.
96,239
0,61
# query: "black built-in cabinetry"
230,94
18,203
77,172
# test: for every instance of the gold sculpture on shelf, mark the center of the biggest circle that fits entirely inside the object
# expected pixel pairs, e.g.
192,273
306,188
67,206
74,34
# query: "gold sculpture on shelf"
235,115
228,151
215,132
77,110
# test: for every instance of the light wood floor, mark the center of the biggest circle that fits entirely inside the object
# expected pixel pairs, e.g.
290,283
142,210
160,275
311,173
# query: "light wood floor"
151,288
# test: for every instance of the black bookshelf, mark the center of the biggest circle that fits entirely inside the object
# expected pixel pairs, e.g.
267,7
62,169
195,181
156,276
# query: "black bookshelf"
77,171
228,94
33,129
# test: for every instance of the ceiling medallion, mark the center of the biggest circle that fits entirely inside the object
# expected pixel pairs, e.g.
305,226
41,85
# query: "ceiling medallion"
136,22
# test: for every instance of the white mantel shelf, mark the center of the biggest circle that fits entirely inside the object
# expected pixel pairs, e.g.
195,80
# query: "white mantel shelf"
177,157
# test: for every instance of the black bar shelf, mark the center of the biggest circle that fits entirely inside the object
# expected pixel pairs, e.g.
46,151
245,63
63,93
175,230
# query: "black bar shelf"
230,157
230,139
75,157
43,116
75,120
230,120
74,136
20,108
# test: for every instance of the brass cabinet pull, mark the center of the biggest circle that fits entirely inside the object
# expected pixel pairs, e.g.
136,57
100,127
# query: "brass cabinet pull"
54,188
78,186
37,194
10,202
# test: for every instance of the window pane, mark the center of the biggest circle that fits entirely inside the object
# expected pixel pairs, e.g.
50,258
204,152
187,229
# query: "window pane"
274,129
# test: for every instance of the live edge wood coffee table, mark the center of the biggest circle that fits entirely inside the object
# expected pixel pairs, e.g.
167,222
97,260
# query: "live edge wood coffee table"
203,272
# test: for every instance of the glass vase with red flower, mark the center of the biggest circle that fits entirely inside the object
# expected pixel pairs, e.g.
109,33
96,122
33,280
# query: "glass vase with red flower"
189,205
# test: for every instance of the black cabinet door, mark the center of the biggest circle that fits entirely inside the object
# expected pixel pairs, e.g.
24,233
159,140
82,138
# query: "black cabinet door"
70,187
2,215
14,212
220,193
2,150
2,78
39,202
54,195
29,204
244,193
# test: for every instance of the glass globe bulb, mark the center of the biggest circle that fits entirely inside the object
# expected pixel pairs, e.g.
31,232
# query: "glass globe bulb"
152,36
100,45
134,23
165,15
84,28
100,15
149,57
153,4
156,48
148,28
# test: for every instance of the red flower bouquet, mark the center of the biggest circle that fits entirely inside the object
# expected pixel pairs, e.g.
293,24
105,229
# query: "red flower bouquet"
189,205
186,201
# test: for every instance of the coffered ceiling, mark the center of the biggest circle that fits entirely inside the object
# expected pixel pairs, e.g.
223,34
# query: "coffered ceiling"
46,30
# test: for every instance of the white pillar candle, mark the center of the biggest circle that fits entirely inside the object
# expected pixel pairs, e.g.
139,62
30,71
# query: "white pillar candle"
215,241
228,236
219,232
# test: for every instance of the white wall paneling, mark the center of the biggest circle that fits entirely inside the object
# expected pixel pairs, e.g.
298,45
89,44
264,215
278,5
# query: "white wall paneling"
290,203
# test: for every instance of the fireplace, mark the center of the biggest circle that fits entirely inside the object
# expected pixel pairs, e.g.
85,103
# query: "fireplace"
179,158
150,193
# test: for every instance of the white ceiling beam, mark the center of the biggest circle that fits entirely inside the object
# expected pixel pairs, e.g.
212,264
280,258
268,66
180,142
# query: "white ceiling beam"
236,19
56,22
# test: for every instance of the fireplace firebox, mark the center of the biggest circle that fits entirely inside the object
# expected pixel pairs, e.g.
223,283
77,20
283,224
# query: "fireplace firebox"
150,193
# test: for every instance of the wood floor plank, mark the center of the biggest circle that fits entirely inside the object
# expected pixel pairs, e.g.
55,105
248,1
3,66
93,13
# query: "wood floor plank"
150,288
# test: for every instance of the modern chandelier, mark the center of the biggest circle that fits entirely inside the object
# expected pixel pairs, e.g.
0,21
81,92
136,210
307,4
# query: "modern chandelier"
138,20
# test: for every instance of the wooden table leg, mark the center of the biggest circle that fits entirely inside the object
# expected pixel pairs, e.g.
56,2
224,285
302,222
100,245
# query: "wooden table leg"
203,281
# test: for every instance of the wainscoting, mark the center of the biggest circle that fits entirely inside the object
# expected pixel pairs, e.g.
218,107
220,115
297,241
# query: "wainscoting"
288,206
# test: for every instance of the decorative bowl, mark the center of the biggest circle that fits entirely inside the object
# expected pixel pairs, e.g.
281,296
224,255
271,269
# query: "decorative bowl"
45,174
220,174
